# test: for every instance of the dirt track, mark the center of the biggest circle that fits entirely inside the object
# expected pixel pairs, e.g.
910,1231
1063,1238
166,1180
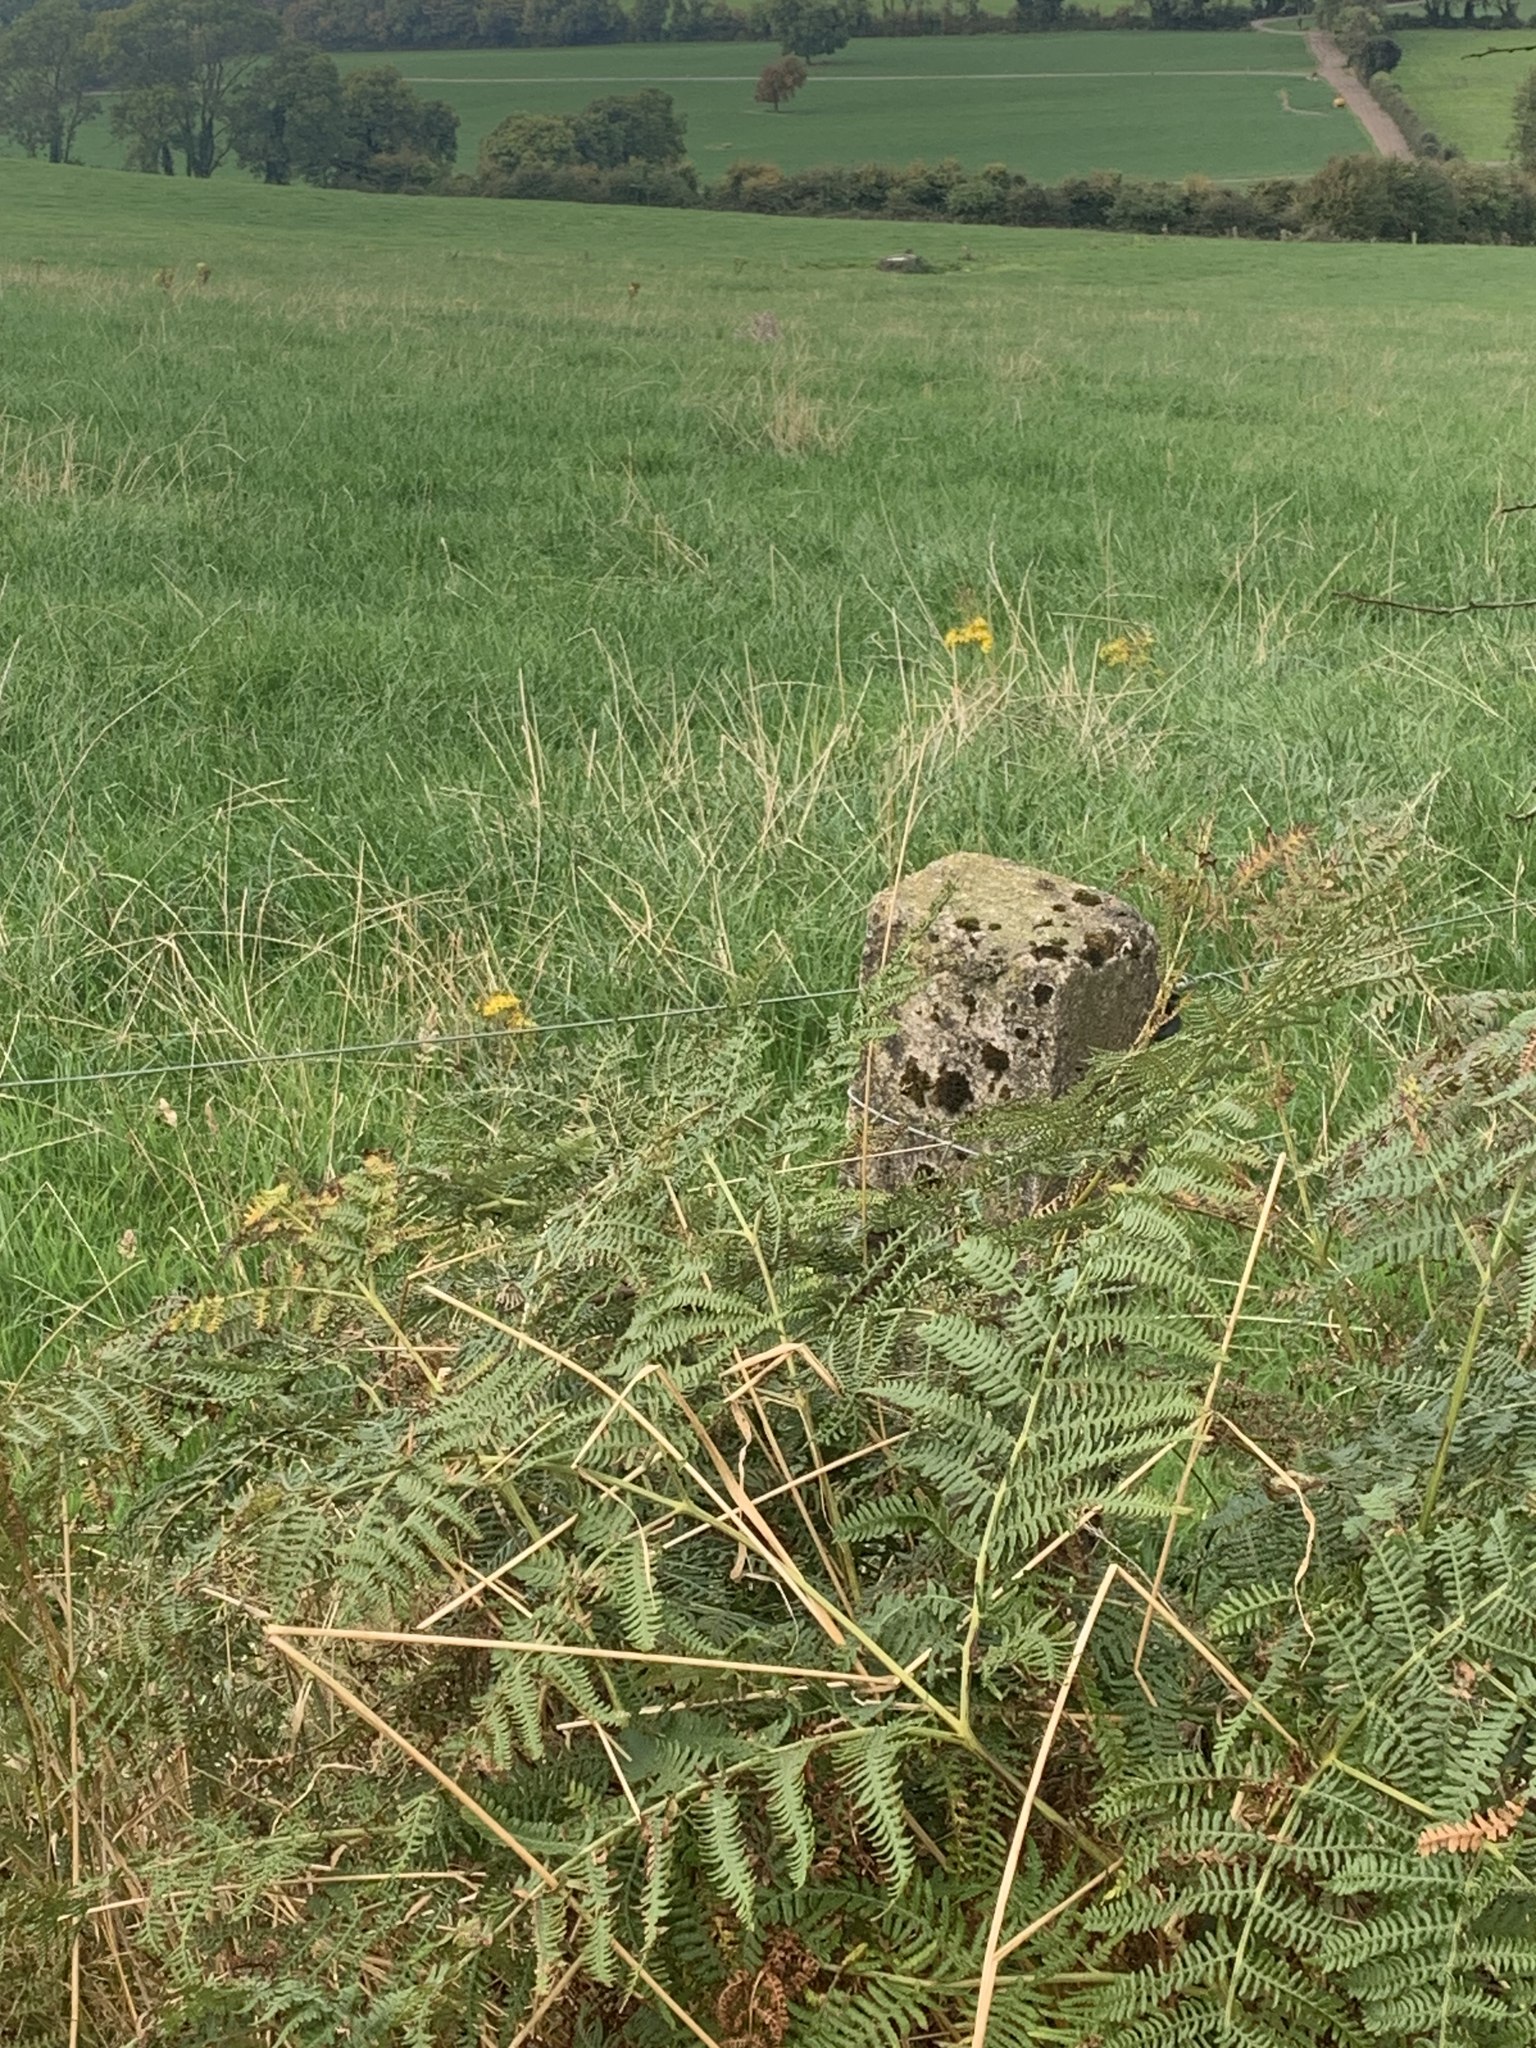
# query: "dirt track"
1377,123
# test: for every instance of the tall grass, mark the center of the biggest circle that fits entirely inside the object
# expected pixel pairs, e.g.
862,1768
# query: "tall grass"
415,611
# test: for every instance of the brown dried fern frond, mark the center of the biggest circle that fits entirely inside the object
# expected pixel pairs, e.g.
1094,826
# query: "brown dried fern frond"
1462,1837
1276,850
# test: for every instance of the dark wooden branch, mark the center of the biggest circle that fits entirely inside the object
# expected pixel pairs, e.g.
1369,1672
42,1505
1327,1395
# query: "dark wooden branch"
1440,611
1509,50
1525,505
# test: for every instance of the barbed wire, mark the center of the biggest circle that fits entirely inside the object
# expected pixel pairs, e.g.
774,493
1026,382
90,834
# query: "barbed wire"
425,1042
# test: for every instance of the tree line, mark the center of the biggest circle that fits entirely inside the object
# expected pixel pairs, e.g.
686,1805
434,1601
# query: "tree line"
191,83
512,24
188,84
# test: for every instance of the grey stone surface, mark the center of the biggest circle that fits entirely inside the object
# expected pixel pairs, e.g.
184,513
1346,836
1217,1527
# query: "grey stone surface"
1023,976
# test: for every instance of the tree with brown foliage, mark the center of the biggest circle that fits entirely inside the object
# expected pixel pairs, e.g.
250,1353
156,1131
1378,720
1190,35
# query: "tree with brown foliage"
781,81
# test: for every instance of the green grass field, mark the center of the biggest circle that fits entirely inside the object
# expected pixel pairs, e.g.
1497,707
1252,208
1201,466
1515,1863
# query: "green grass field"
1160,106
1466,99
1053,105
420,609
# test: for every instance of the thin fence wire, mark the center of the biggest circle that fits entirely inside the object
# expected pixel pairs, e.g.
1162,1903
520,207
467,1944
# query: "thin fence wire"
172,1068
420,1042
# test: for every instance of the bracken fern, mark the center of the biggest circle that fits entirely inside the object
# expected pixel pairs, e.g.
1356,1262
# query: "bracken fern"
611,1584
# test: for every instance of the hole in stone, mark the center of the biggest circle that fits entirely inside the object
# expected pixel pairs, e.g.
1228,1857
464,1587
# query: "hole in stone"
994,1059
1043,994
1054,951
994,927
952,1091
915,1083
1086,896
1098,947
1058,906
969,924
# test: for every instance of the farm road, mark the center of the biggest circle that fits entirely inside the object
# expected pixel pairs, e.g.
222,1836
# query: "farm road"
1376,122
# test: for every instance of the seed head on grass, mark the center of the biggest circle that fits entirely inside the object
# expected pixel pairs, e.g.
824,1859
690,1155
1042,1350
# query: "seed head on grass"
202,272
165,277
974,633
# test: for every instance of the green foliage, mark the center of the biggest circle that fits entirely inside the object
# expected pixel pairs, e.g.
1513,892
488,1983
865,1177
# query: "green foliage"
634,127
525,141
288,121
49,63
390,138
1355,29
607,135
810,28
718,1534
1381,199
179,66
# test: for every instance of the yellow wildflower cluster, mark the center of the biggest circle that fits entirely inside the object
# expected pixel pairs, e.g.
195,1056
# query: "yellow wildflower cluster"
974,633
502,1007
1127,650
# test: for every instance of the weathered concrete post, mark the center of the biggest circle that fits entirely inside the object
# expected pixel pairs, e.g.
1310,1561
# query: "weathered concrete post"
1024,975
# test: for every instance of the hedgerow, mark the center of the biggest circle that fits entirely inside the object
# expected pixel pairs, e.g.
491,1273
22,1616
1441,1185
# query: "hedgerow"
1352,198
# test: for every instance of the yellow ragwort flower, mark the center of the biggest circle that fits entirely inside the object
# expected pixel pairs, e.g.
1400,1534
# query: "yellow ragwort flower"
502,1007
974,633
1127,650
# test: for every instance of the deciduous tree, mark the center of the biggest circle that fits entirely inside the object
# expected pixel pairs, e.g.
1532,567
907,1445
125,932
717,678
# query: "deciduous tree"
810,28
779,82
522,140
49,62
631,127
1355,31
181,65
288,122
627,128
391,137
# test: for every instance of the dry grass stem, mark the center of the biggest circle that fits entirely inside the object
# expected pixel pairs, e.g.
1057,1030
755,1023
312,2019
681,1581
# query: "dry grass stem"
416,1639
535,1867
993,1955
1200,1435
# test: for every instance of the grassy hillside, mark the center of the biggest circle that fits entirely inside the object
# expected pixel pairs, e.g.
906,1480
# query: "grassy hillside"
1054,105
454,596
1464,97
